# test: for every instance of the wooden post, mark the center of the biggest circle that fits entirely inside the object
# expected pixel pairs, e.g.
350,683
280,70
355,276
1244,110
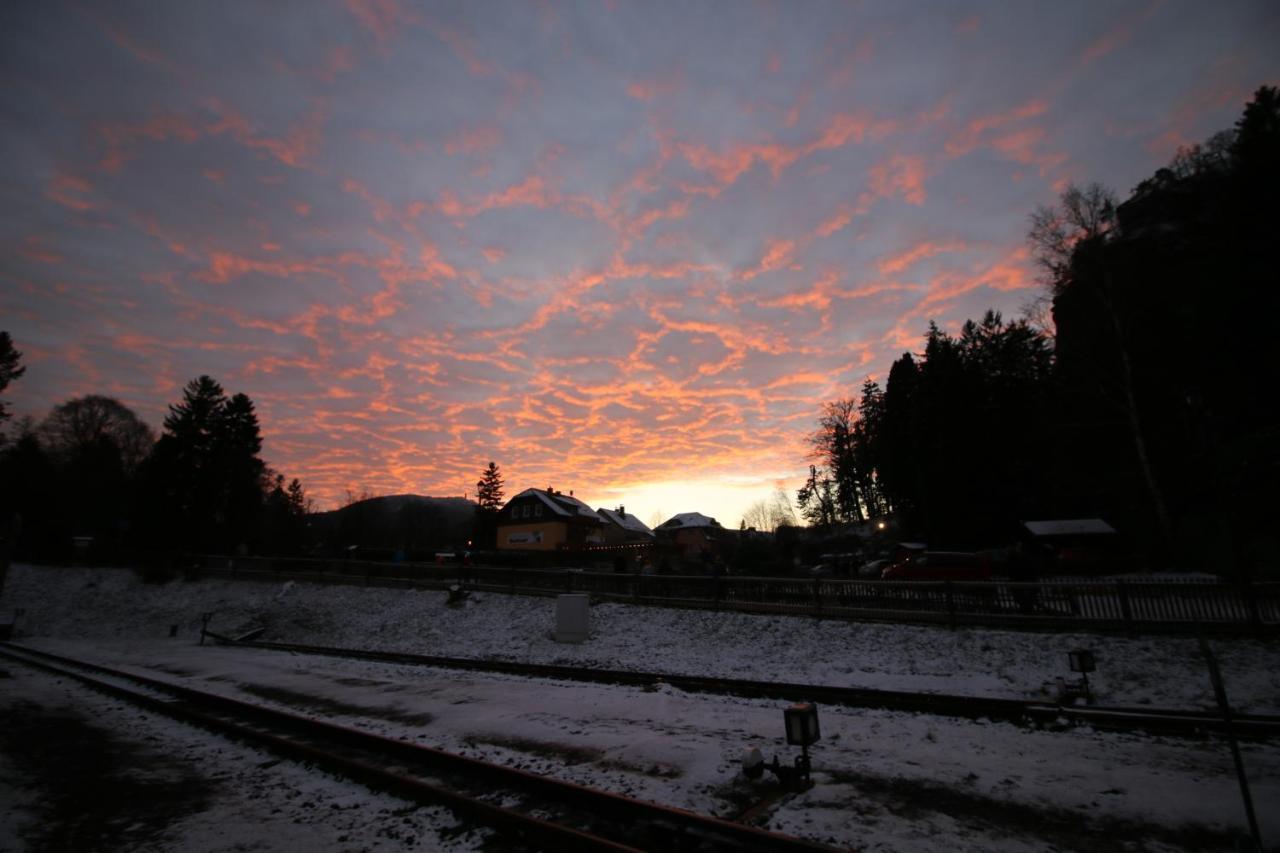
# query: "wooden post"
1220,693
6,547
1126,611
1251,602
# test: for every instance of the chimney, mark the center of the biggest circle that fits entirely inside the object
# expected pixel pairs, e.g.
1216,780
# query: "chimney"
622,510
571,493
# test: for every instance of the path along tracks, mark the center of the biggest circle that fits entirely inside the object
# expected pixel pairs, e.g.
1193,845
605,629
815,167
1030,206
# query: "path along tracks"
535,811
1154,720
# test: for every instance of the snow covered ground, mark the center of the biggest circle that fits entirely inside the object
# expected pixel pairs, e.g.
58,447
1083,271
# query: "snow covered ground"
885,780
1151,670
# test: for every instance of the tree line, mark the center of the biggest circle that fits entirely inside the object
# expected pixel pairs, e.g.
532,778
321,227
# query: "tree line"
93,472
1148,400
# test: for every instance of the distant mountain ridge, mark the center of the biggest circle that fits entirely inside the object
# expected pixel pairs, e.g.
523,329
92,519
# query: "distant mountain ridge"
398,522
393,503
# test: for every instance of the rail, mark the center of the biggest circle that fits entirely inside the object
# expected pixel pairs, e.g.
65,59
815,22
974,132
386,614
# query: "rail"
1041,713
554,815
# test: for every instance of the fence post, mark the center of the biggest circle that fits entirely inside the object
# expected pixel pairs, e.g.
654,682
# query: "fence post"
1251,602
951,604
817,596
1126,611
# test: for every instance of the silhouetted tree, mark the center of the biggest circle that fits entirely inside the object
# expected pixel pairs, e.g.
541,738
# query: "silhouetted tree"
488,502
816,499
97,444
1161,384
285,511
489,489
205,481
770,514
10,369
76,426
32,490
1071,243
954,444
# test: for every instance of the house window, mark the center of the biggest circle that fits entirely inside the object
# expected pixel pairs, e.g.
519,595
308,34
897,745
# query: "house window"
537,510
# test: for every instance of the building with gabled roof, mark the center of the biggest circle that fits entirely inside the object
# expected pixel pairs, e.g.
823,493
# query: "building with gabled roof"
621,528
548,520
695,535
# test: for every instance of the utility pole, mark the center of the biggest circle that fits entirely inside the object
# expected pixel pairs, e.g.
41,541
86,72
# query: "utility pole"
1220,693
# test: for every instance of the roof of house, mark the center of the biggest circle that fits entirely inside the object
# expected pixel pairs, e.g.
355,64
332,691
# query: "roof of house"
1069,527
560,503
688,519
625,521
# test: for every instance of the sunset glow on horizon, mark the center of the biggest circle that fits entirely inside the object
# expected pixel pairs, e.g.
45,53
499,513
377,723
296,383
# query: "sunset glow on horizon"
622,248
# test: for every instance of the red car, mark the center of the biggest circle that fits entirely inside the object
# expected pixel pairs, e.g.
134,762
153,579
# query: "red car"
940,566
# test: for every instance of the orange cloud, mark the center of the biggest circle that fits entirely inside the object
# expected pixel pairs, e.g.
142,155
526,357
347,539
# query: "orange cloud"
70,191
973,133
473,141
900,175
380,17
777,254
224,266
1119,34
433,264
33,248
729,165
1009,272
898,263
649,90
298,145
121,137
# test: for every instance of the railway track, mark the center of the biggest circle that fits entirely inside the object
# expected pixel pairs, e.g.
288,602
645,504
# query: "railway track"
533,811
1164,721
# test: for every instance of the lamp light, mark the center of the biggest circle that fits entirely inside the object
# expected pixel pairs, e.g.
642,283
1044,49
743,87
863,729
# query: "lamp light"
802,724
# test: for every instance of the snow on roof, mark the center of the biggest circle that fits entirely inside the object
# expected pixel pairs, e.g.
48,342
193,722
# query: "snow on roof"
627,522
1069,527
688,519
561,504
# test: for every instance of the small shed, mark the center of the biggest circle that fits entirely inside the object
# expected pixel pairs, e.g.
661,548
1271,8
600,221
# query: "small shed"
1070,546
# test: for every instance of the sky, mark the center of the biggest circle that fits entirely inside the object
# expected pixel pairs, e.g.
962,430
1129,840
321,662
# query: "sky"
627,249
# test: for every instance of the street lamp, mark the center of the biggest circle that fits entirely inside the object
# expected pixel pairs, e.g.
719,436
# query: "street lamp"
1083,663
801,724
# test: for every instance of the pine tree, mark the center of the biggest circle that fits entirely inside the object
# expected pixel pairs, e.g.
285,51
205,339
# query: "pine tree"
299,503
10,369
489,489
206,483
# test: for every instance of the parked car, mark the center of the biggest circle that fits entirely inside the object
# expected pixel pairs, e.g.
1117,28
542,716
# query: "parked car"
873,568
940,566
